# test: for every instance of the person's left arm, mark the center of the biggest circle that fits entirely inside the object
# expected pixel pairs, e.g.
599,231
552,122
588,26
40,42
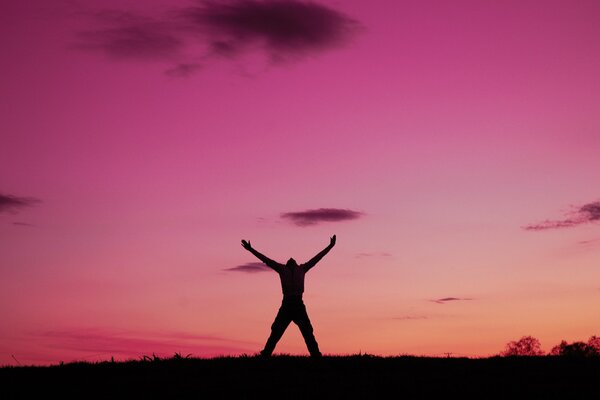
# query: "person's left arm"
313,261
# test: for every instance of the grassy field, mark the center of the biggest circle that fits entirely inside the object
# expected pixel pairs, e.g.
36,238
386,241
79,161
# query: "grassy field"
290,377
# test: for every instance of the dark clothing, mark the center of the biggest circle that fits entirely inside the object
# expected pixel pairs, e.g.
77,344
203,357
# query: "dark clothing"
292,277
292,309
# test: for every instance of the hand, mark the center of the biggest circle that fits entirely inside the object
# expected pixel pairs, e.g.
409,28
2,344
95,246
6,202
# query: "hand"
332,241
246,245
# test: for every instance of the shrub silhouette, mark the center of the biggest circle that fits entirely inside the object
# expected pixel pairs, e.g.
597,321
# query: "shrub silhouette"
526,346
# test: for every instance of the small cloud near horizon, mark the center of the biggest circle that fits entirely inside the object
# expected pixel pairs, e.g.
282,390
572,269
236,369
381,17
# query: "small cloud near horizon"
589,242
316,216
445,300
250,268
205,30
579,215
10,203
373,254
410,317
100,341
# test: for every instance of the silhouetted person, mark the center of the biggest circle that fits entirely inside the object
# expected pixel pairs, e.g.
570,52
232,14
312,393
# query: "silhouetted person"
292,307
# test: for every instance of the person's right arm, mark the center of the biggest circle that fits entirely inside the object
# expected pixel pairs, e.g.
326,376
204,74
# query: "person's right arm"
270,263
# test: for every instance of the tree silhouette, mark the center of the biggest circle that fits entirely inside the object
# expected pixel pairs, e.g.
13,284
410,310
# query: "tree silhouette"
526,346
594,342
557,350
575,349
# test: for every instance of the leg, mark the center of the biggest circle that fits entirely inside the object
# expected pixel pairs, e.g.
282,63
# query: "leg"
282,320
301,319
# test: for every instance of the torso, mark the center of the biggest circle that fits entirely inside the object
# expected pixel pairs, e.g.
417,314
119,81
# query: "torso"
292,280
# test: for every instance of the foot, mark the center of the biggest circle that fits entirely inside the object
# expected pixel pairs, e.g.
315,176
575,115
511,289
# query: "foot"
264,354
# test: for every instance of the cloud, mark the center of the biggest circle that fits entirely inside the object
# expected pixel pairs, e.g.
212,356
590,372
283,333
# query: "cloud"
23,224
251,267
589,242
313,217
282,30
183,70
132,344
374,254
586,213
11,203
548,224
129,36
410,317
448,299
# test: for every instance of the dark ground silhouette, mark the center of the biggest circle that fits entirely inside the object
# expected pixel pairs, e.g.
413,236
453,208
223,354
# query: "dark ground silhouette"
292,307
286,377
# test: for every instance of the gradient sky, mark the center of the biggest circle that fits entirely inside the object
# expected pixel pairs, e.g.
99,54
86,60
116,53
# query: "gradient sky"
141,141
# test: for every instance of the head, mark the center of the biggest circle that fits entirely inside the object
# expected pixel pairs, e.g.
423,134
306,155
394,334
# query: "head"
291,263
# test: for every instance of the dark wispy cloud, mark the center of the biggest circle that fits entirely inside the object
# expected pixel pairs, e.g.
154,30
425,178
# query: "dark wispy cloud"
579,215
9,203
23,224
282,27
251,268
124,35
445,300
187,37
313,217
183,70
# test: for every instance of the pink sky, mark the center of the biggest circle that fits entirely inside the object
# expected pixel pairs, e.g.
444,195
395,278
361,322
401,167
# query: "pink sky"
452,126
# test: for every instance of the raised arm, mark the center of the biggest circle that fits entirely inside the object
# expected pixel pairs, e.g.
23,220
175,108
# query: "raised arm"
270,263
313,261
